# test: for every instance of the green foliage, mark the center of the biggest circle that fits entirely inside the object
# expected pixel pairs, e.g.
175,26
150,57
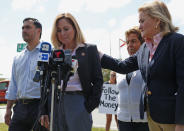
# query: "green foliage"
106,74
3,127
1,79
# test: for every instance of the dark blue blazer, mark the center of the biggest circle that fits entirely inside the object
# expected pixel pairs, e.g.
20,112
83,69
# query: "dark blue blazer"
163,77
90,75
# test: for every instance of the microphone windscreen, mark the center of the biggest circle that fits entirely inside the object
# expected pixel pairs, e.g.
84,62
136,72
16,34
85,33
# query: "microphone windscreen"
58,55
45,50
45,47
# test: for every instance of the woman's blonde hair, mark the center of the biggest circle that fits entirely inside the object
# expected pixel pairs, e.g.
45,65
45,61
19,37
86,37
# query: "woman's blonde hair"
79,38
158,9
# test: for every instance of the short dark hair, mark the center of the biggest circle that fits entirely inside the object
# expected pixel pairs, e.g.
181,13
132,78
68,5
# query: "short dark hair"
35,22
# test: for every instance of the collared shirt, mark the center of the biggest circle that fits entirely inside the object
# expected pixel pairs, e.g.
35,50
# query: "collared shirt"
74,83
22,85
129,98
152,45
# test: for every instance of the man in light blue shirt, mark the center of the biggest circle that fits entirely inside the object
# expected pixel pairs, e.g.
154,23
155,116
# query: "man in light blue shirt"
23,91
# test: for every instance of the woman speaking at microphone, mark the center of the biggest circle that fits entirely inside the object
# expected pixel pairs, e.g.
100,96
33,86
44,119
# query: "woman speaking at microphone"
83,91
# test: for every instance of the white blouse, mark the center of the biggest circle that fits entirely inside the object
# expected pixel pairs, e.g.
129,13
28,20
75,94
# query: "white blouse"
129,98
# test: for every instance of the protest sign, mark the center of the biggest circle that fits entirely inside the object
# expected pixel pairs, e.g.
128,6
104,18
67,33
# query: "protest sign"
109,99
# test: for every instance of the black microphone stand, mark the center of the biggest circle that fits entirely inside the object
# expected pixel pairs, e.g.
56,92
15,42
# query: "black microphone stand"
42,75
53,82
57,100
65,81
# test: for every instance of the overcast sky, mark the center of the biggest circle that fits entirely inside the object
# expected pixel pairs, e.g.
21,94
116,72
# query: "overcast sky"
102,22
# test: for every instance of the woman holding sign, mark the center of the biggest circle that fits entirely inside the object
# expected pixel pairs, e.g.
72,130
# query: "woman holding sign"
112,80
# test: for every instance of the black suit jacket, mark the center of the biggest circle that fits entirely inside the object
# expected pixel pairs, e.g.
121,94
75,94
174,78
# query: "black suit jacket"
90,75
163,77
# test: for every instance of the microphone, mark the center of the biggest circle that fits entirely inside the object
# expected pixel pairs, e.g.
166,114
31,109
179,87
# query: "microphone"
43,59
68,57
45,50
58,56
57,61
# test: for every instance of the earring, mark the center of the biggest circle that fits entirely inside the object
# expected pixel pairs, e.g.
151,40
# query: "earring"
156,26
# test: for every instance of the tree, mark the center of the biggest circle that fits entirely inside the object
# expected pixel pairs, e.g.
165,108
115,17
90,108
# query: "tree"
1,79
106,74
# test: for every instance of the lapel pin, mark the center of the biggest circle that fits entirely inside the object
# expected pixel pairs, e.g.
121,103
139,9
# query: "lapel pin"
83,54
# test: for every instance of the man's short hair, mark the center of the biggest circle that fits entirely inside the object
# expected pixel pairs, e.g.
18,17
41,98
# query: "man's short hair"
35,22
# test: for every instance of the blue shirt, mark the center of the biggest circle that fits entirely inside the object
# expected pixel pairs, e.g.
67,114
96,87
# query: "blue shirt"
22,85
